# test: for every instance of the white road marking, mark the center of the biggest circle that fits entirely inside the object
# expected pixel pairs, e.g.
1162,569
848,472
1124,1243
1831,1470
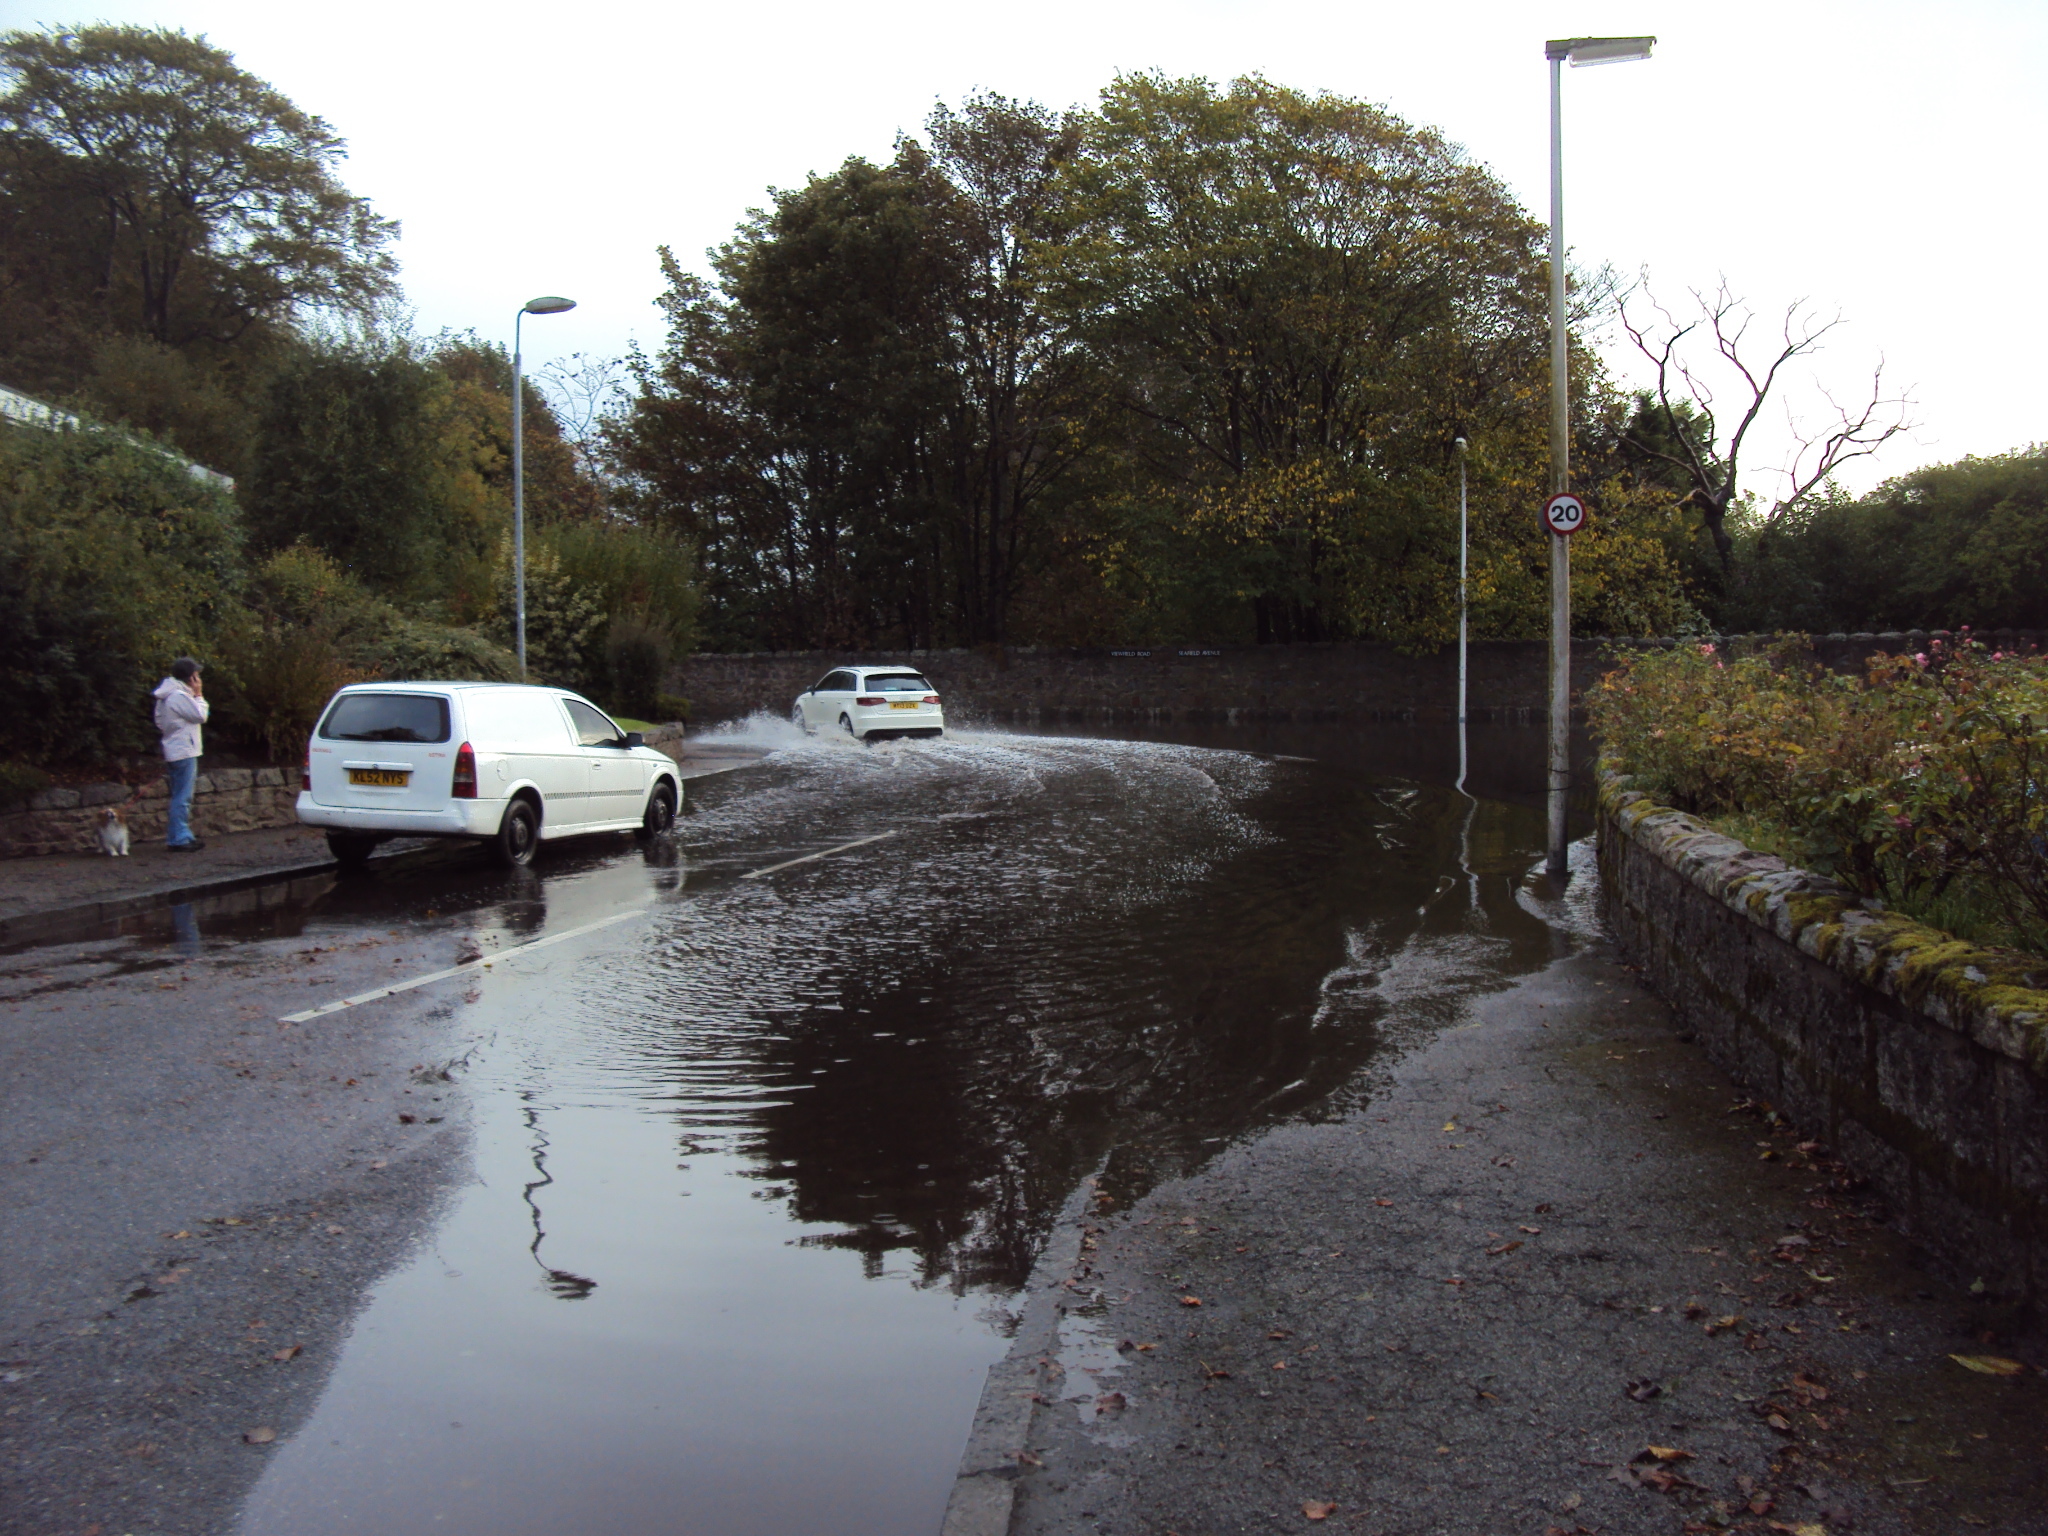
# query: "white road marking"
456,970
825,853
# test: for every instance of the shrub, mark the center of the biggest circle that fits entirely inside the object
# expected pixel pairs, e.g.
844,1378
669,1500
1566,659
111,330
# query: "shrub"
637,649
1923,782
280,679
19,782
114,558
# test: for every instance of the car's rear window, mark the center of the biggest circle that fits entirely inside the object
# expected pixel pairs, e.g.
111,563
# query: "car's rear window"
898,682
387,717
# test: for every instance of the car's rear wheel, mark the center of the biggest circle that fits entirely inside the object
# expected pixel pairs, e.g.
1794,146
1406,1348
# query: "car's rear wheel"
661,811
518,835
351,850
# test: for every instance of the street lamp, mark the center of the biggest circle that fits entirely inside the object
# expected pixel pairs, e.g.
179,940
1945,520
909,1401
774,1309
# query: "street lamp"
546,305
1459,445
1580,51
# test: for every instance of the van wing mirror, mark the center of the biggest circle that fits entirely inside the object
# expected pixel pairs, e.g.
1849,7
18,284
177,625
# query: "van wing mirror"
635,739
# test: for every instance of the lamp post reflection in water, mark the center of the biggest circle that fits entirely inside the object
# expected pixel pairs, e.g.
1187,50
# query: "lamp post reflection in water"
561,1283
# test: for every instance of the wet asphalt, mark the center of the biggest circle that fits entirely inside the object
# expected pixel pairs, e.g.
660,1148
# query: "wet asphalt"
1304,1022
198,1198
1558,1275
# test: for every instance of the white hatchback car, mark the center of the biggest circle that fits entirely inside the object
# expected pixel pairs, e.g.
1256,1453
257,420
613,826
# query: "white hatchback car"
871,703
505,763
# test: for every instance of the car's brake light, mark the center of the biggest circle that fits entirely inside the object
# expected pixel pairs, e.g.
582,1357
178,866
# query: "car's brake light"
870,703
465,772
306,773
931,698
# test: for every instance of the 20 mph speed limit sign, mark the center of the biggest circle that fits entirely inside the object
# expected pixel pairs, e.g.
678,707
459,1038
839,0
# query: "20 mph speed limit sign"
1564,514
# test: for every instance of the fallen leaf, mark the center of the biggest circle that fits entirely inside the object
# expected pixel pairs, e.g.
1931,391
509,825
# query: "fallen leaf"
1191,1301
1804,1528
289,1352
259,1436
405,1119
1665,1453
1532,1231
1496,1251
1279,1365
1148,1346
1695,1311
1318,1509
1543,1209
379,1163
1643,1391
1724,1324
1570,1502
1109,1402
1779,1422
336,1231
1030,1460
1989,1365
1450,1125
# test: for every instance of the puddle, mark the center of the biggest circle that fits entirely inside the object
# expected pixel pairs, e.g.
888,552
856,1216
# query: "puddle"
757,1178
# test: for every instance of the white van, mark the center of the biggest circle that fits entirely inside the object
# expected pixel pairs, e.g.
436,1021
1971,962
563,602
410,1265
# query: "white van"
505,763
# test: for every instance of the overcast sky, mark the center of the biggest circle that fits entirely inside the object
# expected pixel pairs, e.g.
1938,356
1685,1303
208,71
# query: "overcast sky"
1881,160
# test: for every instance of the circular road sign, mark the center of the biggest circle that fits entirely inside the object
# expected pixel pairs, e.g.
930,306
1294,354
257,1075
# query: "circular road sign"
1564,514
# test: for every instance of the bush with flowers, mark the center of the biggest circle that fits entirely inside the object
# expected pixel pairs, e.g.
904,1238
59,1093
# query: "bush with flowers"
1923,782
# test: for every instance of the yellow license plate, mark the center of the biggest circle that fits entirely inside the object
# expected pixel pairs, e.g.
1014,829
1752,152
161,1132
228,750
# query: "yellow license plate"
382,777
911,705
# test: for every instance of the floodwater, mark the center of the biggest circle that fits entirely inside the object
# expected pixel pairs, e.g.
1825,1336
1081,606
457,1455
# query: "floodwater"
757,1175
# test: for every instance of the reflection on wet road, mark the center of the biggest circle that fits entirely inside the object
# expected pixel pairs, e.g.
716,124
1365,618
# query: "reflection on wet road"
757,1176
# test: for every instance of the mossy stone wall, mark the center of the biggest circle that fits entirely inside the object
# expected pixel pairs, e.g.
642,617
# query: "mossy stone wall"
1920,1059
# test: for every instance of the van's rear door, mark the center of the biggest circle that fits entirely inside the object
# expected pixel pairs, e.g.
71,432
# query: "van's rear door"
384,749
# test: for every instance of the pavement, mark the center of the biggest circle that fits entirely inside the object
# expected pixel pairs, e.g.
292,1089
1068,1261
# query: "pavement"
42,897
1560,1275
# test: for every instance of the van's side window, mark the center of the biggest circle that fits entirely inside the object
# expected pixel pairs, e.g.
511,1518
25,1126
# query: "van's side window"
592,728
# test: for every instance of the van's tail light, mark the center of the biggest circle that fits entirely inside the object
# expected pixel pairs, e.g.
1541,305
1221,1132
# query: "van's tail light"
465,772
870,703
931,698
306,772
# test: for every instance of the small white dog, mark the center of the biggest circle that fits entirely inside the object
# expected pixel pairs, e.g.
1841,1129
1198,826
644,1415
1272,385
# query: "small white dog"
113,834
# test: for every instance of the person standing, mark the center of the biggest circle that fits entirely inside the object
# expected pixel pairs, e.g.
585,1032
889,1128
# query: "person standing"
181,709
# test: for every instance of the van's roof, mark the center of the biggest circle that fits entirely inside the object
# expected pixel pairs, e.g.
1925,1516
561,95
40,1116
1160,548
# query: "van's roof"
420,686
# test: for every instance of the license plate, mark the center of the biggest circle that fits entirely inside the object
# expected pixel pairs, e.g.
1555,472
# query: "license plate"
382,777
894,705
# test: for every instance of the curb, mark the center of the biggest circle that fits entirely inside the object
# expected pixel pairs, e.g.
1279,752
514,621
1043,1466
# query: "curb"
40,927
985,1488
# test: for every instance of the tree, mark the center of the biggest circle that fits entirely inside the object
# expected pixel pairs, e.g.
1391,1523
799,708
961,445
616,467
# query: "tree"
361,451
1302,302
213,200
1678,427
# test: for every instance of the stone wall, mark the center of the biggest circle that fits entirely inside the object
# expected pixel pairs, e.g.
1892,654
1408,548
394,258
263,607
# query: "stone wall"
225,800
1508,680
1920,1059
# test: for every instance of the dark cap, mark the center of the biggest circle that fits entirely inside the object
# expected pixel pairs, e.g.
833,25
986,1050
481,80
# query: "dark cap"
184,669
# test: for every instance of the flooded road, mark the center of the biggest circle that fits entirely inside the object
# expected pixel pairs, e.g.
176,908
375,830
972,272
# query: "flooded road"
758,1173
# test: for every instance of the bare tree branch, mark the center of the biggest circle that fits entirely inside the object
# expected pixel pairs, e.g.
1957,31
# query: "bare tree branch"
1685,398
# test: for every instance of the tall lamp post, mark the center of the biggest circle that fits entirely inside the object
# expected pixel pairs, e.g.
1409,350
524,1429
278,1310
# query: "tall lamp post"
1463,543
546,305
1579,51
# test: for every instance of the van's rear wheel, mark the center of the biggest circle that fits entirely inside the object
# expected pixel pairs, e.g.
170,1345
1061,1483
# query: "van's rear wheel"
518,835
661,812
351,850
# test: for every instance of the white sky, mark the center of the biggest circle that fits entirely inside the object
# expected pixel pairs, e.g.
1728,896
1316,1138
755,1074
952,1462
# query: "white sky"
1881,159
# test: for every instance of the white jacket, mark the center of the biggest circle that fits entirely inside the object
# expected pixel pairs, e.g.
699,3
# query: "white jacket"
179,716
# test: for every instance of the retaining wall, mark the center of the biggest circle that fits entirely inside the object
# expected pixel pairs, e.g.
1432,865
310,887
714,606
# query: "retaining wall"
1508,680
1920,1059
224,800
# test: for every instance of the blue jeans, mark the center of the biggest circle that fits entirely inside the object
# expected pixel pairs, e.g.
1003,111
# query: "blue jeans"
180,775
